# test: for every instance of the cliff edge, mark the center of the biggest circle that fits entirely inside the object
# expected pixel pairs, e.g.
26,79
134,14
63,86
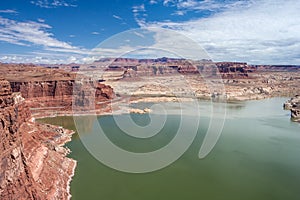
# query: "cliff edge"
33,162
49,92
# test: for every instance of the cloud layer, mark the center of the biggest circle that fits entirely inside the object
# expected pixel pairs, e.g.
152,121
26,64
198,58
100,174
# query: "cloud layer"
30,32
53,3
255,31
37,35
9,11
261,31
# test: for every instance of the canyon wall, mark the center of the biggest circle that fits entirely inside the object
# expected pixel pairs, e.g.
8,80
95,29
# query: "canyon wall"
55,97
33,163
49,91
16,180
158,77
167,66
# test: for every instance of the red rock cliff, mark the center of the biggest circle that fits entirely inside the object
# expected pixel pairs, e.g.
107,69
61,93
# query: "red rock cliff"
50,91
33,163
169,66
56,96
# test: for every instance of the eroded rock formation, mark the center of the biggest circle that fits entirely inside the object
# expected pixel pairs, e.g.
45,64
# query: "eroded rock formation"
294,106
57,96
164,76
49,91
169,66
33,163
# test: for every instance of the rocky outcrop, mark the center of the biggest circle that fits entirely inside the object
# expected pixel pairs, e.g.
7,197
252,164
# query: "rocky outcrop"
56,97
140,111
49,91
241,81
280,68
234,70
162,77
294,106
169,66
33,163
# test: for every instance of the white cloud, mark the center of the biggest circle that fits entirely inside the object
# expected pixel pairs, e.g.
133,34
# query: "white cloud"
45,57
151,43
101,52
173,42
153,2
10,39
95,33
30,33
168,2
179,12
117,17
189,4
211,5
139,34
138,43
128,52
9,11
258,32
36,59
138,13
65,50
139,8
40,20
53,3
140,21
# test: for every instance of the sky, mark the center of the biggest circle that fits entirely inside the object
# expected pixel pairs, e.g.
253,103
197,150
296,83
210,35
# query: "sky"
68,31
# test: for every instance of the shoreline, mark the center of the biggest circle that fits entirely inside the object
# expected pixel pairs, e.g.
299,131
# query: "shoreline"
122,111
71,178
145,100
58,137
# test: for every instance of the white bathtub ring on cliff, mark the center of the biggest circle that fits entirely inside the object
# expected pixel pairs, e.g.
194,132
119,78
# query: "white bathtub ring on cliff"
107,152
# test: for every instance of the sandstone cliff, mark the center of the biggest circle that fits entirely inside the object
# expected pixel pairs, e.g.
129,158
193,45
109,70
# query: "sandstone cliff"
169,66
55,97
33,163
157,77
50,91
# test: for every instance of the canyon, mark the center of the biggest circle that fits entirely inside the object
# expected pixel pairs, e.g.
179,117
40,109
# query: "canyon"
170,79
110,82
33,162
164,79
50,92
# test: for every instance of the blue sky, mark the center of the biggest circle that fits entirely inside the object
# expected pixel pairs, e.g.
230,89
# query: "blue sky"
64,31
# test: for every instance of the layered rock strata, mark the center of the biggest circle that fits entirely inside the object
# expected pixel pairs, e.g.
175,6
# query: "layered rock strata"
33,162
56,97
169,78
49,91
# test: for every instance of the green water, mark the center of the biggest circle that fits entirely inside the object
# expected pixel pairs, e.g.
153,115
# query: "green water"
256,157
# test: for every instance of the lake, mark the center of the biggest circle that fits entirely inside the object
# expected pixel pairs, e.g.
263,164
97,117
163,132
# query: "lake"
256,157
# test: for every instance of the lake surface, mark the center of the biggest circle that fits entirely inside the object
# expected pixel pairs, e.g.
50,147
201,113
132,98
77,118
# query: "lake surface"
256,157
